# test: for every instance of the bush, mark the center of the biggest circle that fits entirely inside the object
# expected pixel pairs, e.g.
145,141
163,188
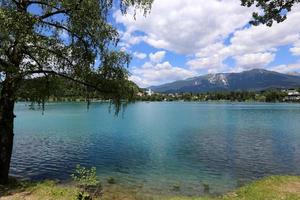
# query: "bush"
88,182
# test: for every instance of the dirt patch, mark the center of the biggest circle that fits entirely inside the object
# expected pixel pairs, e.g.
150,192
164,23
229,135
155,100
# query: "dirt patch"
291,187
22,195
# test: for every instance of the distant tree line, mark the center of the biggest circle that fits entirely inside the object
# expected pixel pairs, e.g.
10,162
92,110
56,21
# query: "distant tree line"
59,89
271,95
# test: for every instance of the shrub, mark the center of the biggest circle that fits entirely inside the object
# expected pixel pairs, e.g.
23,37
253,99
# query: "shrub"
87,181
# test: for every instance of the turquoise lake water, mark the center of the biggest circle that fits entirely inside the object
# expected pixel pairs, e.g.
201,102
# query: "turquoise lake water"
155,146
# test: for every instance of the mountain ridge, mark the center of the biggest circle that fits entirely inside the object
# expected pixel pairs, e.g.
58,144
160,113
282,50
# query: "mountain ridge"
252,80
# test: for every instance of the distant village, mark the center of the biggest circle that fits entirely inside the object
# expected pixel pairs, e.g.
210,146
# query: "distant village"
272,95
292,95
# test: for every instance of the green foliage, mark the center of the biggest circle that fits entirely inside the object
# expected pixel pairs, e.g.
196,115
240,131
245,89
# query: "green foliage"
88,182
85,177
38,190
271,188
83,196
273,10
43,39
239,96
64,38
273,96
54,88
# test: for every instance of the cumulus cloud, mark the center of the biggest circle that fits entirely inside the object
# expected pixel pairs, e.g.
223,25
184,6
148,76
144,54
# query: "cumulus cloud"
210,59
64,35
251,47
262,38
211,63
295,50
287,68
154,74
157,71
157,57
128,39
207,34
185,26
254,60
139,55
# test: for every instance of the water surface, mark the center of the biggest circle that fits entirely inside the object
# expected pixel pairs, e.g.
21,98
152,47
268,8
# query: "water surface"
158,145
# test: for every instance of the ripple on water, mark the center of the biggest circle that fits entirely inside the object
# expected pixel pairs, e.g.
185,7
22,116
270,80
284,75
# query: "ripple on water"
157,146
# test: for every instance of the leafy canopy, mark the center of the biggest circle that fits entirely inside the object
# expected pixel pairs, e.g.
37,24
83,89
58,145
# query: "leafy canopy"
273,10
43,38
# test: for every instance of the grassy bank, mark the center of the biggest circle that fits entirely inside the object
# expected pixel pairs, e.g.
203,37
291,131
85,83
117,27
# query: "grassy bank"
272,188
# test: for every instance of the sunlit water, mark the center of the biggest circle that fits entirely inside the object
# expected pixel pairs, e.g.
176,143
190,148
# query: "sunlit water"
158,145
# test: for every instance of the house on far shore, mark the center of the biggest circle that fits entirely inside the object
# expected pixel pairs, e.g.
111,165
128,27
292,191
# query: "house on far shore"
292,95
149,92
140,94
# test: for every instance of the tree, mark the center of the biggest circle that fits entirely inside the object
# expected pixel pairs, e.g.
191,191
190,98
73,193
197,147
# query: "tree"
43,38
273,10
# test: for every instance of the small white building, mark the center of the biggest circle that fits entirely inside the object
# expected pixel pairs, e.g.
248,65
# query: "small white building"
292,95
293,92
171,95
149,92
140,94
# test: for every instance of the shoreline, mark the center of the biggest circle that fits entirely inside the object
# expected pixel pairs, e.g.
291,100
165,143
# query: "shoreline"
28,103
274,187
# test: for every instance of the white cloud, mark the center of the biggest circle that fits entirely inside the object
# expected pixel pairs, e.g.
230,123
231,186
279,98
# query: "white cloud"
254,60
139,55
123,49
251,47
206,63
287,68
128,39
295,50
210,59
157,57
153,73
64,35
263,38
208,34
186,26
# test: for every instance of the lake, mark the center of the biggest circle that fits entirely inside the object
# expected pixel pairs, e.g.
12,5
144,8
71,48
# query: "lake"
157,145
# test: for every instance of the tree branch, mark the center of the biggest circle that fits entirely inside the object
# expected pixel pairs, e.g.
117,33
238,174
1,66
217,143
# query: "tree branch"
58,26
42,3
46,72
55,13
69,78
58,10
55,53
16,2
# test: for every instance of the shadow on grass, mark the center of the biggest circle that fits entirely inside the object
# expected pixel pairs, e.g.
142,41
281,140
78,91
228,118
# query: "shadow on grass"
15,186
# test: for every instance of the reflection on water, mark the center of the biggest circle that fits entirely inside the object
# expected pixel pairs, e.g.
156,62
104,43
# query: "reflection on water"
158,145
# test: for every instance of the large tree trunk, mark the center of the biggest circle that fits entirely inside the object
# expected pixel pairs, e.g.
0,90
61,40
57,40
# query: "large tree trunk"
7,101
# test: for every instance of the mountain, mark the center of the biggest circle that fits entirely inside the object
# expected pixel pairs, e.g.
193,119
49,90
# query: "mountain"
255,79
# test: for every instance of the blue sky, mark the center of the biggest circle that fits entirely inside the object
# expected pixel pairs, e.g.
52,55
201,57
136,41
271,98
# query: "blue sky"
185,38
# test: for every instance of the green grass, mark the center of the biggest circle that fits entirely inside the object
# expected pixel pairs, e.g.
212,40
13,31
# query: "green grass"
272,188
49,190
